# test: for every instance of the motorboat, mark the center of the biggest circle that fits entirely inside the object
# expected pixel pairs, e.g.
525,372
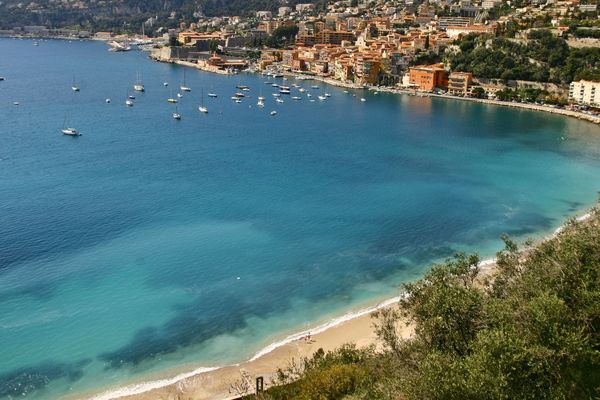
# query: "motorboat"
70,132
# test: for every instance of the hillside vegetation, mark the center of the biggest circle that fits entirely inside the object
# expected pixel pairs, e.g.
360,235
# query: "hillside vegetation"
121,14
532,331
542,58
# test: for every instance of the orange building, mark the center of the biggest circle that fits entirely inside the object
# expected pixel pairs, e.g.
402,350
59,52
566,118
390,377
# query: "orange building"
333,37
428,77
460,82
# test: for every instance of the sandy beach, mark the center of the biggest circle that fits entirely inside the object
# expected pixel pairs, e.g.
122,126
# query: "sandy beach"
217,384
224,383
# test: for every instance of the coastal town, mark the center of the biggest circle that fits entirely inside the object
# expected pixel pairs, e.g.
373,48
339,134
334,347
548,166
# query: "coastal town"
300,199
444,48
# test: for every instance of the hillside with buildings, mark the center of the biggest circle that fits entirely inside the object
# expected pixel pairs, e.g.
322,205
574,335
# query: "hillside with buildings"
535,51
543,52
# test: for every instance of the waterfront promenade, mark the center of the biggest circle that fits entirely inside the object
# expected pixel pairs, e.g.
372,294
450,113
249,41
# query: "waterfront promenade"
398,90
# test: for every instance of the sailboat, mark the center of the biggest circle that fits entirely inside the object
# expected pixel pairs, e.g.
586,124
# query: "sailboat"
261,99
212,95
74,87
183,86
172,99
69,131
202,108
138,86
176,114
129,101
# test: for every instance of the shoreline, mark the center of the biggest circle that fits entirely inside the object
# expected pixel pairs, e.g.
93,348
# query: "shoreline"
595,119
198,382
204,383
285,345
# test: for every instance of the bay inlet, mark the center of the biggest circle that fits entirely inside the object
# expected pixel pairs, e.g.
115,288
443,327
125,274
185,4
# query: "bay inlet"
149,245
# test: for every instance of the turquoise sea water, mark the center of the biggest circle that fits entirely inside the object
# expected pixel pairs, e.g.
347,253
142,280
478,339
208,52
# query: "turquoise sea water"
148,244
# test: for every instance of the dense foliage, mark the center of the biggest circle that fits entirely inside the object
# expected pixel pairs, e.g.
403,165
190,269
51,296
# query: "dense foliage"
116,14
282,37
530,330
542,57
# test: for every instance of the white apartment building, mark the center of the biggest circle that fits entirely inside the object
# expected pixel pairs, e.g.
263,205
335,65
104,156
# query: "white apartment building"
585,92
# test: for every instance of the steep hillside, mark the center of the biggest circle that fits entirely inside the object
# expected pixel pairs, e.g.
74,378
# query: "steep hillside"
122,13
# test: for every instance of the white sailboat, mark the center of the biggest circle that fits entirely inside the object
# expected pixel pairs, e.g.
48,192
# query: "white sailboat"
202,108
129,101
212,95
69,131
74,87
138,86
176,114
183,85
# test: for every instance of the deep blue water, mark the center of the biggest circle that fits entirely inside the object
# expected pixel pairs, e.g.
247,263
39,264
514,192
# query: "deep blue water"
120,250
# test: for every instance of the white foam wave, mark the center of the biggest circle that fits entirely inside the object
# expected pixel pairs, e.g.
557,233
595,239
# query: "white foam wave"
578,219
143,387
322,328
